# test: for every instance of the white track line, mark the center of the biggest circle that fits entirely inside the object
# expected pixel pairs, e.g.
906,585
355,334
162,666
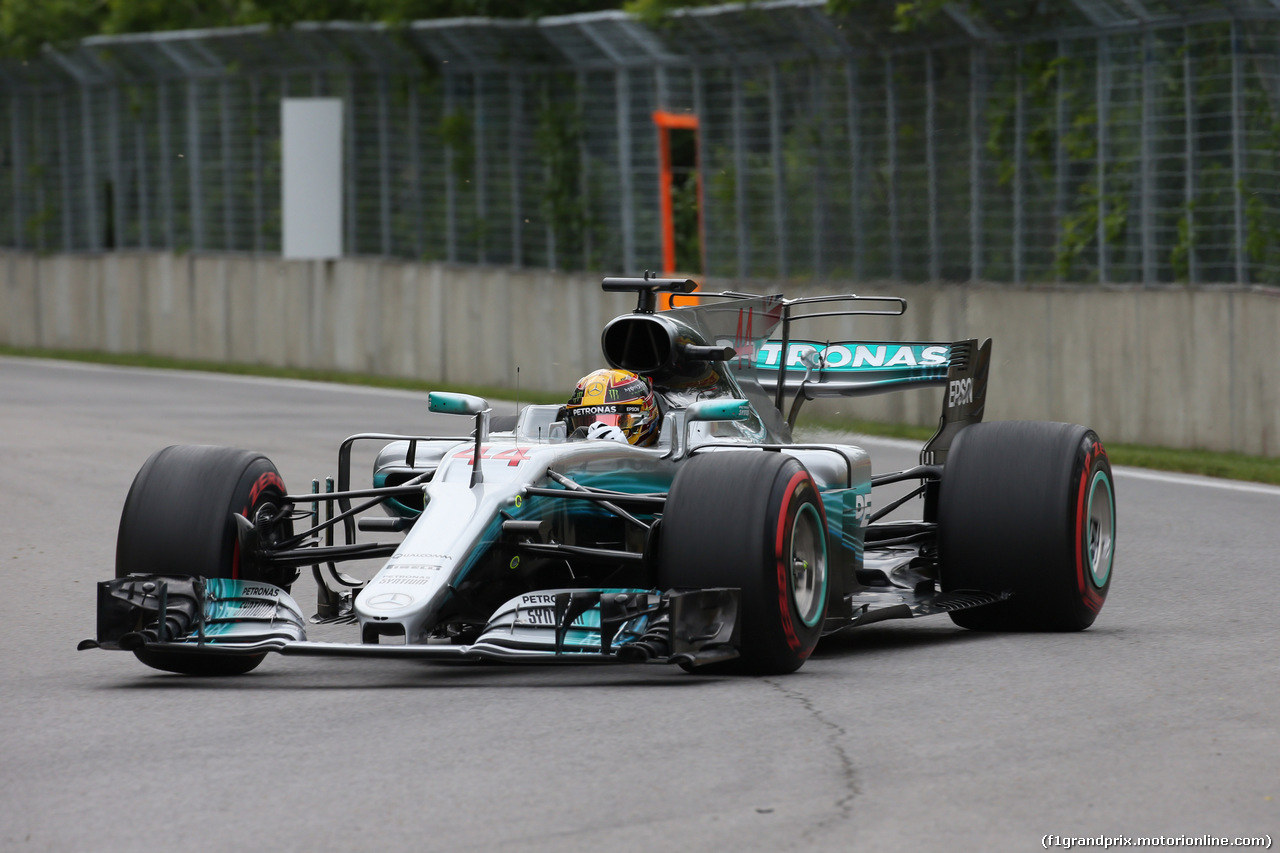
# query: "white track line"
211,376
1196,480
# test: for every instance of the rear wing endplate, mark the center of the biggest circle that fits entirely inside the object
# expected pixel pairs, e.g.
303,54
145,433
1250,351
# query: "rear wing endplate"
965,399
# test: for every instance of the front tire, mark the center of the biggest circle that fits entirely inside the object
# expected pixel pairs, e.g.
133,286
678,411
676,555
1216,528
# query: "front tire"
752,520
1028,508
177,521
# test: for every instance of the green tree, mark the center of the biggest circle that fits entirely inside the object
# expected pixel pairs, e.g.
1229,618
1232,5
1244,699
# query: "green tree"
27,25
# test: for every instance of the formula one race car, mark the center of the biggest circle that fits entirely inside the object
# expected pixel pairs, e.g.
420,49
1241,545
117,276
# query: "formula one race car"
715,543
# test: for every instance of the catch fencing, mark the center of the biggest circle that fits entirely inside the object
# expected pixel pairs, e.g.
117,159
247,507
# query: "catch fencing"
1136,142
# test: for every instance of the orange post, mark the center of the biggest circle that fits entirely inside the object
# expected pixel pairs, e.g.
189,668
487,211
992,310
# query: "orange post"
666,122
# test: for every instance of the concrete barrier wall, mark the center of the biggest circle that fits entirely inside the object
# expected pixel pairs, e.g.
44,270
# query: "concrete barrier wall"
1181,367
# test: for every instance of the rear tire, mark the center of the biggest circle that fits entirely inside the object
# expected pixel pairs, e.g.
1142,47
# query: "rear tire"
751,520
177,520
1028,508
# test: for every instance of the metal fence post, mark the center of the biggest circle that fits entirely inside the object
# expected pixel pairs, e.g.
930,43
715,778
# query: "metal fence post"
144,200
1189,181
779,175
1019,167
166,167
819,178
584,173
1237,154
931,164
193,166
515,92
90,172
1060,161
224,119
977,63
415,170
350,164
40,152
450,182
64,162
550,225
891,136
478,128
255,119
116,168
18,167
384,167
855,169
740,176
622,78
1103,97
1148,159
700,110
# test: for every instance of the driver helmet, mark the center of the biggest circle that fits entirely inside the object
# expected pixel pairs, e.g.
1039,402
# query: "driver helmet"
614,398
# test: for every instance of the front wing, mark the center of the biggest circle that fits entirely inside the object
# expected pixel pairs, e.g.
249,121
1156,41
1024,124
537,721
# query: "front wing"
218,616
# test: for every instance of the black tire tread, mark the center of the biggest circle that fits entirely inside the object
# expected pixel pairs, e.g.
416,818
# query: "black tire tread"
1006,515
715,534
177,521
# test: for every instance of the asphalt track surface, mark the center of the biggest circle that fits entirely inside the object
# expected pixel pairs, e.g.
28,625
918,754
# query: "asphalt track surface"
1160,720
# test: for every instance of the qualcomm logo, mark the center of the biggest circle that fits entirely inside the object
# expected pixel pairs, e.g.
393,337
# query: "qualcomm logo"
851,356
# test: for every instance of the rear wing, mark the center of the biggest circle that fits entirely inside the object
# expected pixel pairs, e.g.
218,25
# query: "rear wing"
852,368
813,370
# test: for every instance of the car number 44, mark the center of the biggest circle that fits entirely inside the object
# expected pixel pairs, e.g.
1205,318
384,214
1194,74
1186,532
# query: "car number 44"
514,455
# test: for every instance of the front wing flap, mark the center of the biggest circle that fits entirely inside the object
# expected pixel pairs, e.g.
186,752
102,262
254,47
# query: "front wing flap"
141,610
231,617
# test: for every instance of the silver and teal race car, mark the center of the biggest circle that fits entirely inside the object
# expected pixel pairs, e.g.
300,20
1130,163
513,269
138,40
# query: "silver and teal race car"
722,546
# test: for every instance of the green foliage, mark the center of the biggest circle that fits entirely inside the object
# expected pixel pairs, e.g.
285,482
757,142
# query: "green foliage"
1262,230
653,11
915,15
457,133
1180,255
1079,229
26,25
558,144
684,214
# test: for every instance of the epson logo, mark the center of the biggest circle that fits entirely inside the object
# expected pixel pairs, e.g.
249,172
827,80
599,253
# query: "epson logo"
959,392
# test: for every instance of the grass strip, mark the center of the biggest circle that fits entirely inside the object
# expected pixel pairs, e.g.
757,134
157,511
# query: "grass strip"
1209,463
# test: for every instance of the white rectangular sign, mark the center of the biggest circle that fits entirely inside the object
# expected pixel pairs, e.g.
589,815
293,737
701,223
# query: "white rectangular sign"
311,183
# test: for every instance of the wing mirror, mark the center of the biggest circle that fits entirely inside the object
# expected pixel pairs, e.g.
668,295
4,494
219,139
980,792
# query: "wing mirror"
723,409
447,403
718,410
